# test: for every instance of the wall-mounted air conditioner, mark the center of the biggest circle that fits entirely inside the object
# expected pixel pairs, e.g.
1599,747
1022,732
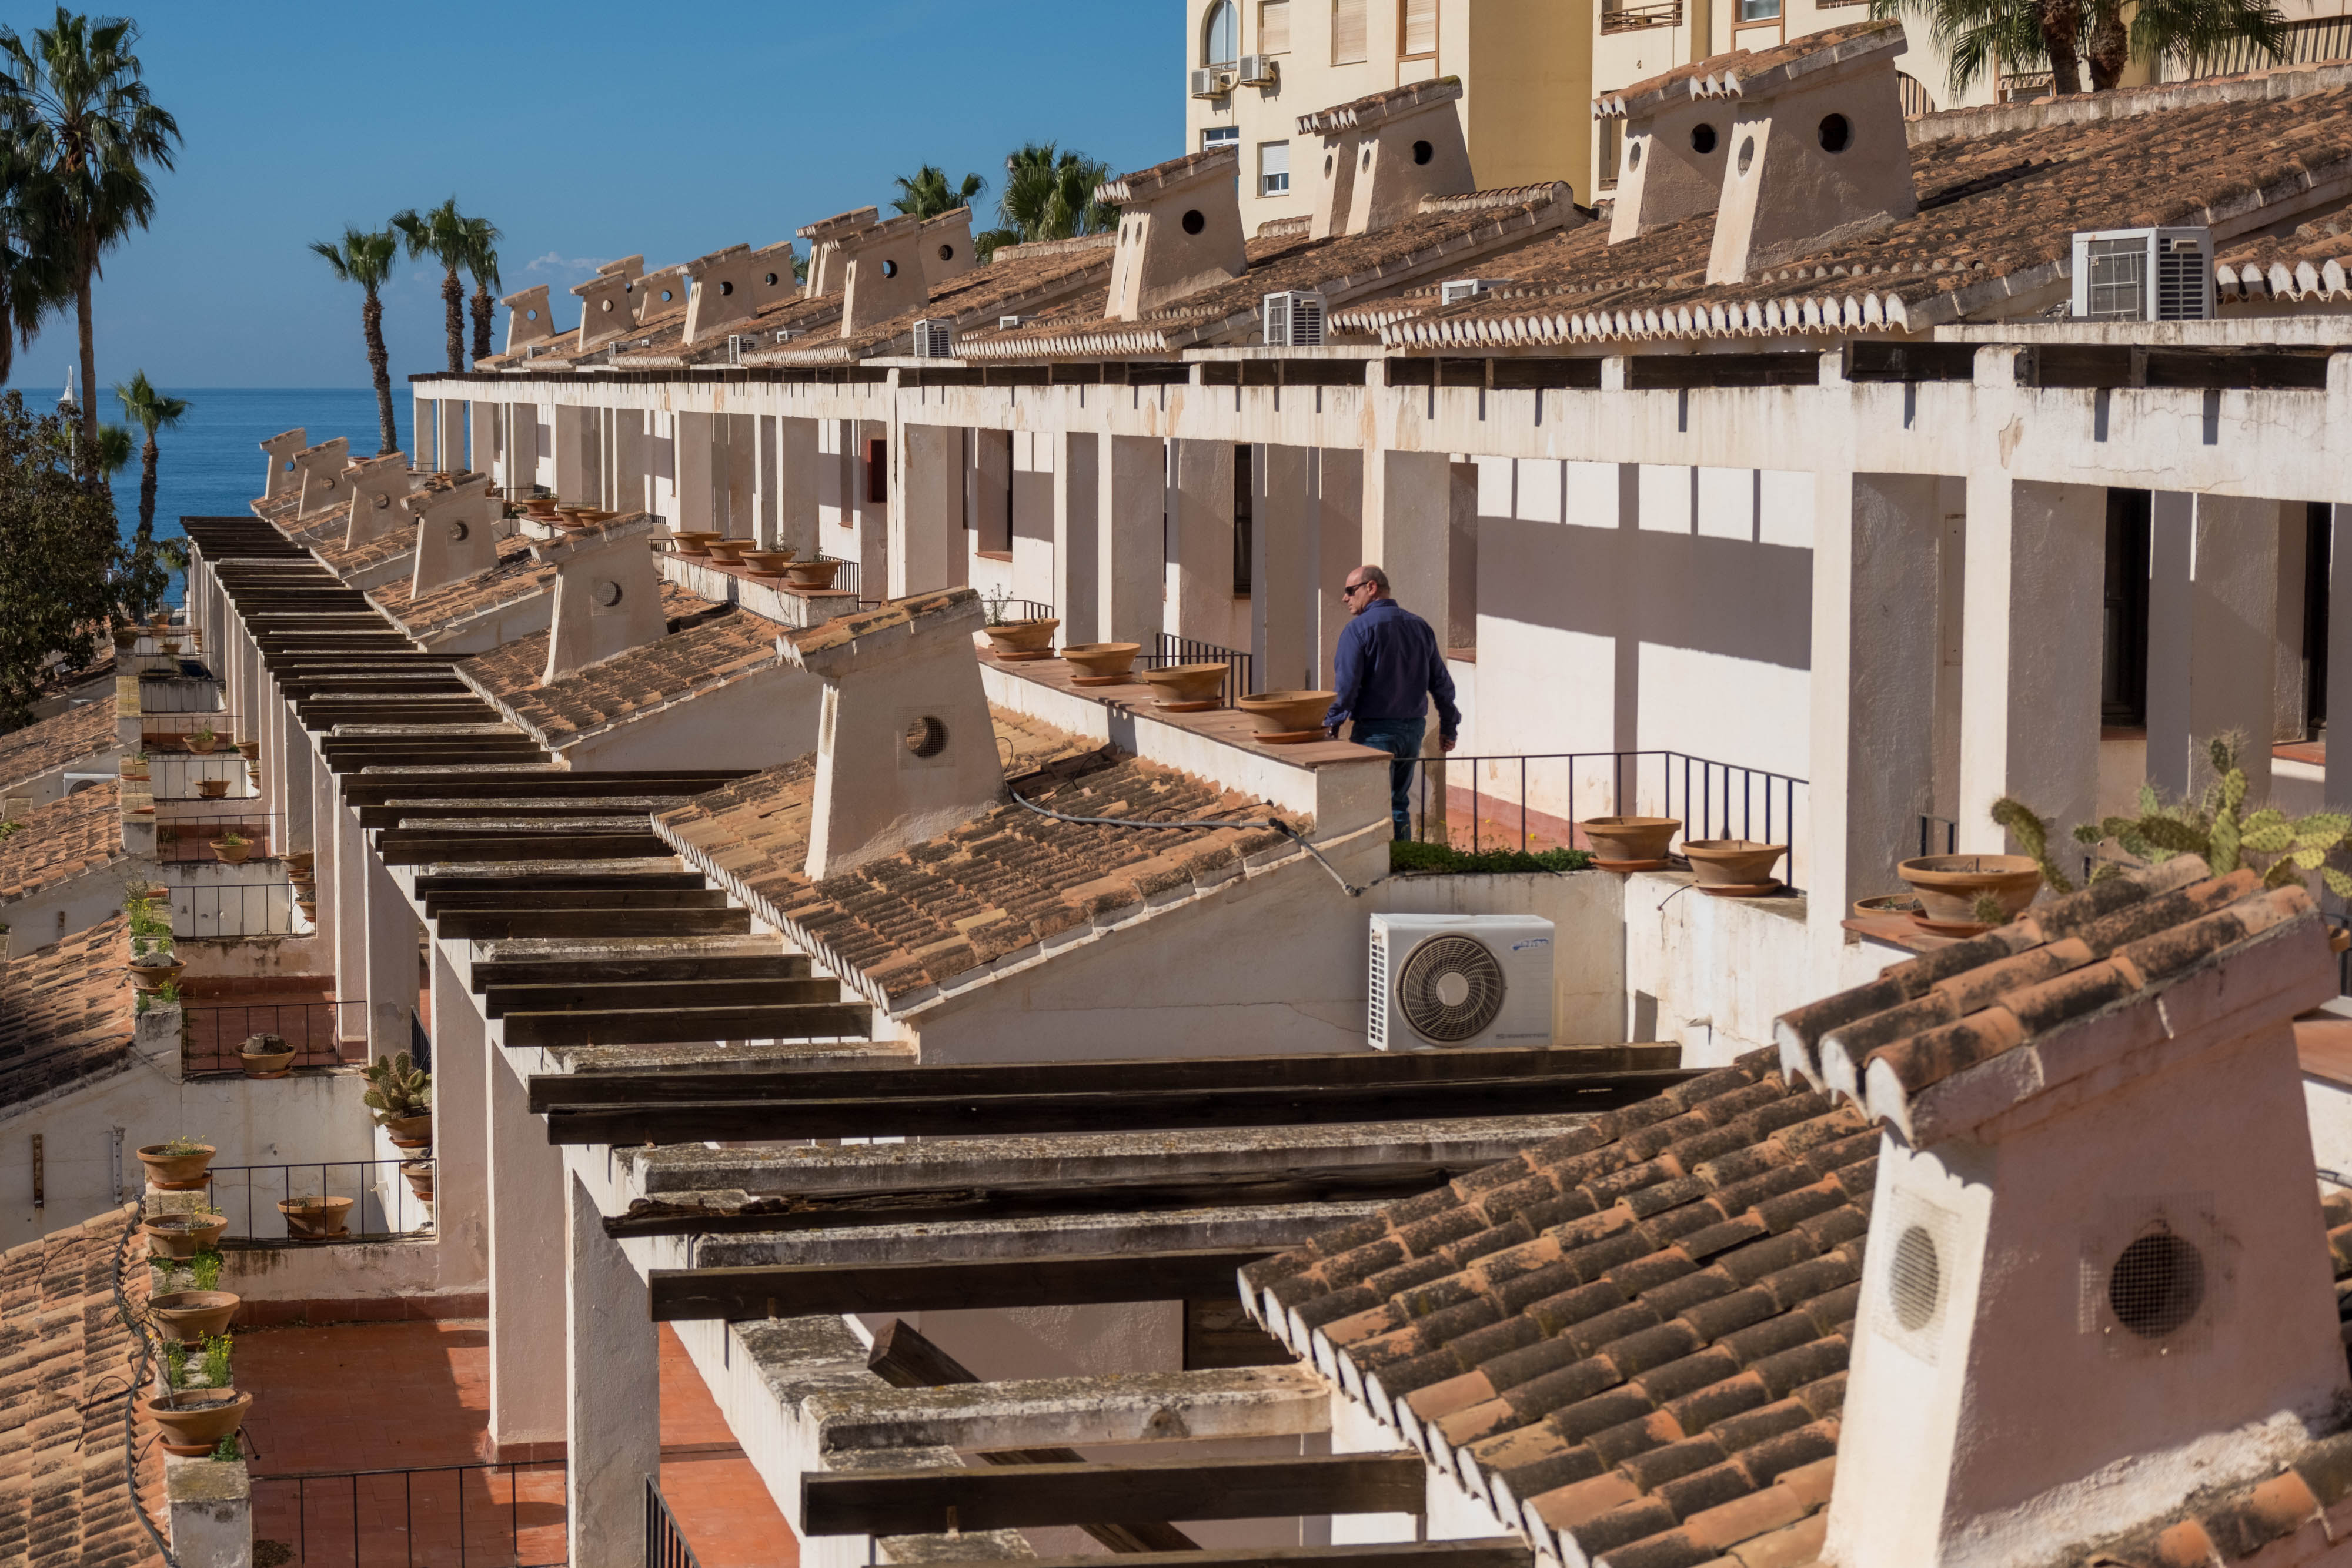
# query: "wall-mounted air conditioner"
1256,70
2144,275
1006,323
934,338
739,342
1442,982
1213,81
1294,321
1454,290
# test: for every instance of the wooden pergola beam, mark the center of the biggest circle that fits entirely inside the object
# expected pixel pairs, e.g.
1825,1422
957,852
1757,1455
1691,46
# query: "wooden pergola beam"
793,1290
498,1001
937,1501
686,1025
595,920
1490,1551
650,967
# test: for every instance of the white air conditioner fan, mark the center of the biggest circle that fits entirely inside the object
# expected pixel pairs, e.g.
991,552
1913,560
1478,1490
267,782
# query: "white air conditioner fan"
1294,321
1443,982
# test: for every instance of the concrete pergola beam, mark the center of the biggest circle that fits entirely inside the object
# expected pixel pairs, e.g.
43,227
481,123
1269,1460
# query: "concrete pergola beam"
1076,1412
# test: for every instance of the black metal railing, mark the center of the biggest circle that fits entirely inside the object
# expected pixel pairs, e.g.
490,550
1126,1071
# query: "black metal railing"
1167,649
384,1206
450,1516
212,1033
665,1543
191,836
845,575
169,730
1938,836
183,777
1499,797
223,910
1003,609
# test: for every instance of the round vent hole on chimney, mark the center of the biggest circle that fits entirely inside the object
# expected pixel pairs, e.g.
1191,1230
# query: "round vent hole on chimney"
926,736
1702,139
1632,156
1422,152
606,306
606,594
382,502
946,252
531,315
667,296
772,280
2156,1285
1915,1286
1747,153
1193,222
1327,162
458,532
724,290
1835,133
890,269
1367,157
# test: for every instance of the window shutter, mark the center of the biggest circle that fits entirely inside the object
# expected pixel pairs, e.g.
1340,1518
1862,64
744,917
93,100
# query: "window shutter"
1274,27
1419,27
1347,32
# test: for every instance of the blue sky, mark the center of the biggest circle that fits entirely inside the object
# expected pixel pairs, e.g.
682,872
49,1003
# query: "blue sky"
585,130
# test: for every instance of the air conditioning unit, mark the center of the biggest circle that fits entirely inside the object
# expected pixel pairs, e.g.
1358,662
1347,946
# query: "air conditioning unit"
1006,323
1454,290
2144,275
1294,321
1439,981
739,342
1256,70
1213,82
934,338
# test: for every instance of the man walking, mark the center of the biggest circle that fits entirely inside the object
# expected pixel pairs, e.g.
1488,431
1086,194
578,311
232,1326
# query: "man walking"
1386,667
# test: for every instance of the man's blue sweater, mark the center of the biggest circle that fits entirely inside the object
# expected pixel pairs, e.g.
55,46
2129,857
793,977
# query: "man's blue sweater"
1388,664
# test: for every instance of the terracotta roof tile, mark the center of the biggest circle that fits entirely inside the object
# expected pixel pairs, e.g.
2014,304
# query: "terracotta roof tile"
62,840
64,738
1017,280
65,1012
67,1362
516,576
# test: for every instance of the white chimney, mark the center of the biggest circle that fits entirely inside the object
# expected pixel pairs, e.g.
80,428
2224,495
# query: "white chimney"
1381,154
607,303
1675,146
607,593
376,487
280,449
825,266
947,246
1179,231
318,478
906,750
457,533
528,317
723,293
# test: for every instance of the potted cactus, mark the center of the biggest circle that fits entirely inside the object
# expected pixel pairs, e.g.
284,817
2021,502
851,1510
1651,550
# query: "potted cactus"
399,1093
266,1056
232,847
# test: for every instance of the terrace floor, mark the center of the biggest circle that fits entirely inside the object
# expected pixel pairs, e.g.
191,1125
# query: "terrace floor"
411,1396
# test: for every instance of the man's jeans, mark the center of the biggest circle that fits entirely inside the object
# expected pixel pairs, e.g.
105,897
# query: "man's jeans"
1401,738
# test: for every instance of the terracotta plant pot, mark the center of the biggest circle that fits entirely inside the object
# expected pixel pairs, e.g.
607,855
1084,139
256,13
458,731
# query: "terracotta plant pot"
1734,868
309,908
301,860
1950,885
213,789
411,1132
1885,903
266,1056
231,855
201,745
250,749
767,562
1188,688
183,1235
154,972
812,574
1104,664
1023,639
195,1419
729,552
1629,844
1287,718
688,542
127,640
135,773
194,1315
176,1173
540,508
321,1224
420,1178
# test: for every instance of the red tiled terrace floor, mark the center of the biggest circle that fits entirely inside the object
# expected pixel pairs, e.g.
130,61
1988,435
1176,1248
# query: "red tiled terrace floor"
406,1396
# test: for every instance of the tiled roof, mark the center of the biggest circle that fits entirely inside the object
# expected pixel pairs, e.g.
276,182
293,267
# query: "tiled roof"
66,1366
62,840
1002,882
1169,172
1373,108
68,737
2311,263
516,576
912,610
1016,281
708,646
1631,1340
66,1011
1998,209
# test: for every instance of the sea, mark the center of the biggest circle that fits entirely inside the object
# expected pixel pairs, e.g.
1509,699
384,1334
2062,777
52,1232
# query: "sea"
210,464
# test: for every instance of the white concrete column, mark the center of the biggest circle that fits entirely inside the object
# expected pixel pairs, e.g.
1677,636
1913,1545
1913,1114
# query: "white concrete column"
870,519
1130,531
461,1128
487,455
1407,527
1871,772
797,478
392,961
2031,652
613,1391
734,463
625,462
298,794
577,464
351,860
526,1270
1199,595
926,510
420,435
449,435
1077,490
2212,598
1282,600
1338,548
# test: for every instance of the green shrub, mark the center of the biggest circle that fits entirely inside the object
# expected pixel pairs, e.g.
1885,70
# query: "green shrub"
1411,855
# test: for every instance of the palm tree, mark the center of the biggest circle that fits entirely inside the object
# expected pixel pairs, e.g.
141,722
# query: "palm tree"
1977,36
1048,195
82,126
482,260
113,450
928,194
34,278
365,259
150,411
442,234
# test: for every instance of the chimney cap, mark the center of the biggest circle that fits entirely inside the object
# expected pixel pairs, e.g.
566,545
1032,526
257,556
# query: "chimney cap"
1653,93
553,552
703,263
1379,108
1165,179
833,648
1768,72
839,223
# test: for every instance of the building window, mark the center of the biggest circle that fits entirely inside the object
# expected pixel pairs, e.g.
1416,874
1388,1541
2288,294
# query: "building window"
1348,36
1245,522
1273,168
1220,35
1759,10
1613,138
1216,136
1416,29
1273,26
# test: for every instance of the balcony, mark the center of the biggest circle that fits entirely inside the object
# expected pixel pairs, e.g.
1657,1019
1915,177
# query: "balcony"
1634,18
